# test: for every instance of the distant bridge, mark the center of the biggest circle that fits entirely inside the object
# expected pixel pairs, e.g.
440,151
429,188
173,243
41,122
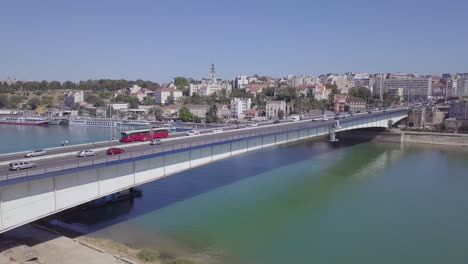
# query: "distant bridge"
63,181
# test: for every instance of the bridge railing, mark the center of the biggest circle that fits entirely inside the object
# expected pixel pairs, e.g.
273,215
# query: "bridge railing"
161,149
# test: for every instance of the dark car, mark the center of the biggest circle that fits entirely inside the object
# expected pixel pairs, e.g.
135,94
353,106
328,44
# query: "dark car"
113,151
370,112
276,122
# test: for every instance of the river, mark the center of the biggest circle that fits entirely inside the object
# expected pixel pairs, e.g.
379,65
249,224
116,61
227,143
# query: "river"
309,202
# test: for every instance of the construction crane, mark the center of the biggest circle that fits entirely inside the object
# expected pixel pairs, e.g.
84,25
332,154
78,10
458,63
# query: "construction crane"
41,109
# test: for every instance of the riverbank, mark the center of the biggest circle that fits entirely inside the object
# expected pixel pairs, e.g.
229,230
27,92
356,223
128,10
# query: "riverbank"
397,136
50,244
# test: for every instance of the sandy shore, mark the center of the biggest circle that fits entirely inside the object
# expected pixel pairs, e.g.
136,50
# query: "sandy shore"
46,244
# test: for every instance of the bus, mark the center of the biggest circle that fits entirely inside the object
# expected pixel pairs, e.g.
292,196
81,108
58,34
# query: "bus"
144,134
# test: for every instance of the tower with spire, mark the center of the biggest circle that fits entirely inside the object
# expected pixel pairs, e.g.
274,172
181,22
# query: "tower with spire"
213,77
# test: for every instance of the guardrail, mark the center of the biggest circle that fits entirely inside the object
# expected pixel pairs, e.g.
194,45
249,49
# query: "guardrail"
160,150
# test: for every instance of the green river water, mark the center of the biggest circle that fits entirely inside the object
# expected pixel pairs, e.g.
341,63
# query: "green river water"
309,202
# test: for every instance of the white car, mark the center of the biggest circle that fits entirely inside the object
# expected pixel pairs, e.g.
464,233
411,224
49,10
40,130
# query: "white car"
192,133
217,130
252,125
35,153
86,153
155,142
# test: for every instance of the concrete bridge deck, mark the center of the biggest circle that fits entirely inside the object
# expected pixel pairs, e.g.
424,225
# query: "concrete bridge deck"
63,182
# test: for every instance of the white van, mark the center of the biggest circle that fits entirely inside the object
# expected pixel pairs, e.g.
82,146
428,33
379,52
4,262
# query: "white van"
19,165
295,118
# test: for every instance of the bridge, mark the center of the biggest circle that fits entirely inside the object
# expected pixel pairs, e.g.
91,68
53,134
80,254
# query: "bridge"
62,180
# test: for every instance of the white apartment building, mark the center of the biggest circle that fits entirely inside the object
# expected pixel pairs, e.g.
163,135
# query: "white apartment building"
273,107
408,89
239,106
161,95
241,81
461,87
300,80
71,98
119,106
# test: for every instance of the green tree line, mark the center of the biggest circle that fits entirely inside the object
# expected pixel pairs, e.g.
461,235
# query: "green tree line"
91,85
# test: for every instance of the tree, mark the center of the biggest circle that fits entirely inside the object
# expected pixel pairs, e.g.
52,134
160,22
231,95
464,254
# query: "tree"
47,100
280,114
148,100
212,114
133,101
33,103
170,100
3,101
99,102
196,99
130,99
182,84
288,94
158,113
361,92
185,115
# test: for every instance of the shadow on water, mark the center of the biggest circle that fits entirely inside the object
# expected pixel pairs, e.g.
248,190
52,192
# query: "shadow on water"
185,185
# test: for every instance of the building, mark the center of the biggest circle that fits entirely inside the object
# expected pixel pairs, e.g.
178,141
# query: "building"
239,106
119,106
273,107
210,86
461,87
135,90
255,88
320,92
161,95
198,110
417,117
241,81
339,103
407,89
459,110
343,82
356,104
72,98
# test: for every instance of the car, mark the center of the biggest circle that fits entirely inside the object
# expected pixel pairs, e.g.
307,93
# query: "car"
369,112
192,133
217,130
251,125
19,165
325,118
86,153
113,151
155,142
276,122
35,153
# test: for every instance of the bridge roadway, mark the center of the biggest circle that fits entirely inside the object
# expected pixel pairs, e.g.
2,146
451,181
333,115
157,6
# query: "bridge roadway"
65,158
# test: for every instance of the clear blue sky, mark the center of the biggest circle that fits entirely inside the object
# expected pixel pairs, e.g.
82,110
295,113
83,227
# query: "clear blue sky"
158,40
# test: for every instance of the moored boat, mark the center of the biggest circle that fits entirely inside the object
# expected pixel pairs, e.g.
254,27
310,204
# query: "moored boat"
24,121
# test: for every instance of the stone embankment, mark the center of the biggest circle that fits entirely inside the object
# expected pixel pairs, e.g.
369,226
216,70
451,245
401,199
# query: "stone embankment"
397,136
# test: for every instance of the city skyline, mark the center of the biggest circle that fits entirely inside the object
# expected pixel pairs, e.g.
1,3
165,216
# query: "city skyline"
159,40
